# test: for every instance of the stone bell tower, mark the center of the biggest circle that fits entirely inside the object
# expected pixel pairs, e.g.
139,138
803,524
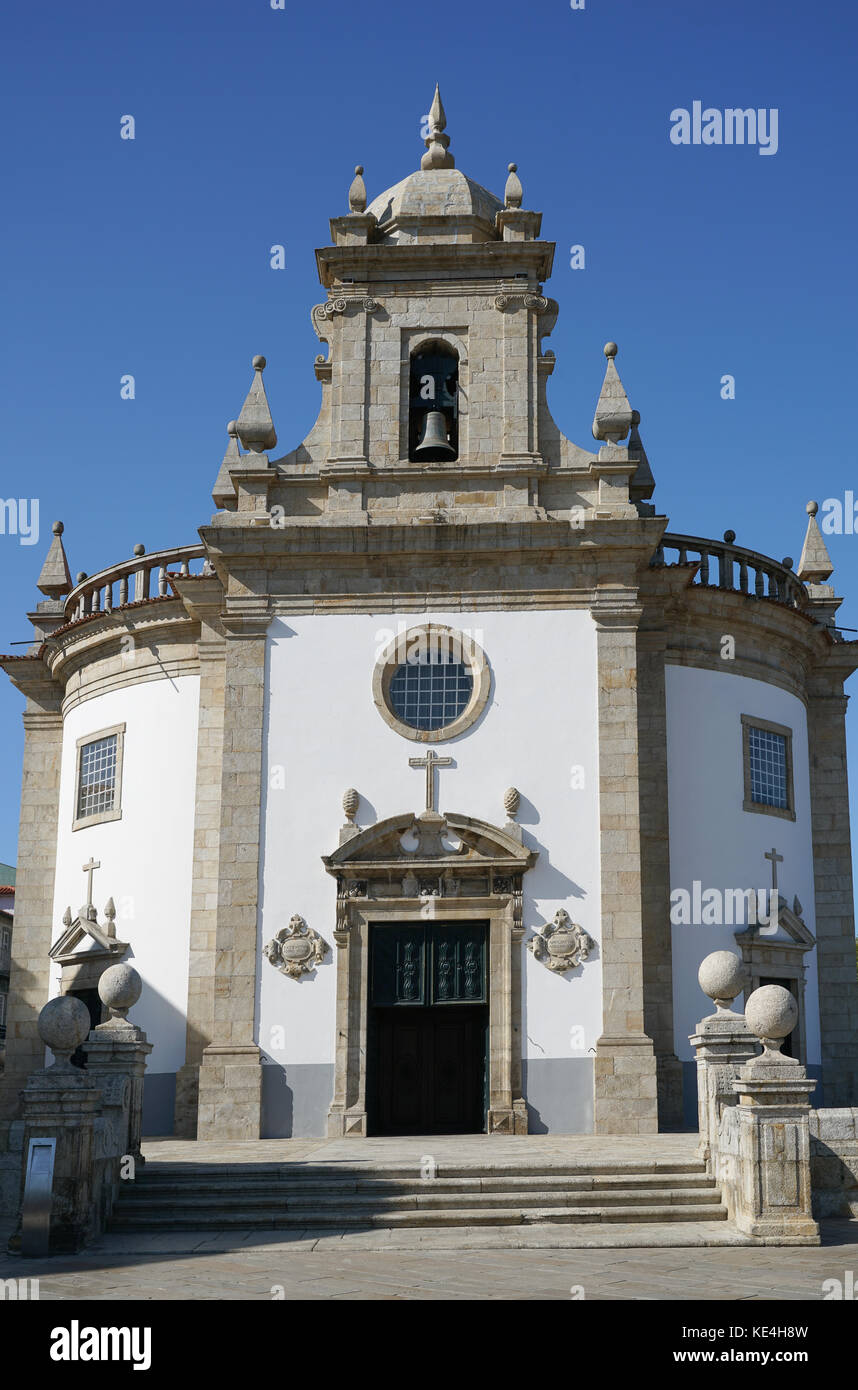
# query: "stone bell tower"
434,480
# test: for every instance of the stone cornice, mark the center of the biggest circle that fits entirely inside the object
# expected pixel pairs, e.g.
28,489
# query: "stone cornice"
379,262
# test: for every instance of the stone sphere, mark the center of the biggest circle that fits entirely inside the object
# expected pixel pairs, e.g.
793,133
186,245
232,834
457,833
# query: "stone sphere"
258,363
611,349
120,987
722,975
64,1023
771,1012
812,508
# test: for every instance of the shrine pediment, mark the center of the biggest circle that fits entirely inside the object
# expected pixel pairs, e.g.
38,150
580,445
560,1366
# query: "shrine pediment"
792,931
83,936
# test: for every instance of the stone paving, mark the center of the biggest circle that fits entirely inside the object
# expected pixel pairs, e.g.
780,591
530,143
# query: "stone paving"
539,1263
265,1271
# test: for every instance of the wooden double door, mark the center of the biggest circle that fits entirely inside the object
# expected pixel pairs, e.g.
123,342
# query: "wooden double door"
427,1069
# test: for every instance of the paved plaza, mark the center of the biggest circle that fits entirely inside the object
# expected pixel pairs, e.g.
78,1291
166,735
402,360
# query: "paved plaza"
597,1262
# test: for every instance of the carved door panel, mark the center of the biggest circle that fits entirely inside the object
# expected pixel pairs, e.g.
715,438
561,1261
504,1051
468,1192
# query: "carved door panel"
428,1029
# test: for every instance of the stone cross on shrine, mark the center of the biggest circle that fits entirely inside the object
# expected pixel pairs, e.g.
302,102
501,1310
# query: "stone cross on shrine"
430,762
89,869
775,859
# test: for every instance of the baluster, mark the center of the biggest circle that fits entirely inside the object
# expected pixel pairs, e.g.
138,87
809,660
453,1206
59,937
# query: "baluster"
743,575
108,597
123,590
759,582
162,581
703,572
186,568
725,570
683,555
96,601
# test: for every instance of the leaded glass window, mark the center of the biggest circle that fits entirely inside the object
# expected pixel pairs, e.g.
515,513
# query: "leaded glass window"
97,779
768,764
430,694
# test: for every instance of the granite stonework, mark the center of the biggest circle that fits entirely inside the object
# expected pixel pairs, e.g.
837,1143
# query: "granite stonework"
834,1162
516,519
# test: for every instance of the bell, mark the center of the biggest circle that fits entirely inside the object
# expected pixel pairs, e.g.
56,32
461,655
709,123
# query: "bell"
433,444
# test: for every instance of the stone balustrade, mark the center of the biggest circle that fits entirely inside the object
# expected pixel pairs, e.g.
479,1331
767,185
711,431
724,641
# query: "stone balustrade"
724,565
131,581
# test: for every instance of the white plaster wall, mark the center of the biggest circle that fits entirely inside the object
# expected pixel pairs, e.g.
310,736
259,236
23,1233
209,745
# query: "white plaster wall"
713,840
146,856
324,731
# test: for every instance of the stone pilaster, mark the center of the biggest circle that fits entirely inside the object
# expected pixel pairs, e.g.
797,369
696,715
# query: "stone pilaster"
655,874
832,871
230,1081
29,980
625,1068
204,600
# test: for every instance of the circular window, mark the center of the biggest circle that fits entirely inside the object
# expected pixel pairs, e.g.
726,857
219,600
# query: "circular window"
431,683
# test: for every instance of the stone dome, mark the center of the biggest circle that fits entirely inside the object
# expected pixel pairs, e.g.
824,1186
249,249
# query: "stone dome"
436,193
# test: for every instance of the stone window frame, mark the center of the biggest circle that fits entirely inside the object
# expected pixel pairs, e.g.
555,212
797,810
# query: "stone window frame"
413,341
753,721
100,817
473,657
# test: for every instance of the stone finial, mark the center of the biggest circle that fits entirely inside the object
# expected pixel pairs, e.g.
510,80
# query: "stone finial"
223,490
351,801
110,917
772,1013
357,191
815,564
254,426
511,801
641,483
119,989
722,976
437,154
513,193
55,578
613,418
63,1025
139,549
67,917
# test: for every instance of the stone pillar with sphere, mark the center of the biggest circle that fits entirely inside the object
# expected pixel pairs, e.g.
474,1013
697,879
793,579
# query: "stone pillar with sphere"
116,1053
764,1143
63,1102
723,1044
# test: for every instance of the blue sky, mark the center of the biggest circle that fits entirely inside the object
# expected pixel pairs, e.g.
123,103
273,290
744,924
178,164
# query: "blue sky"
151,256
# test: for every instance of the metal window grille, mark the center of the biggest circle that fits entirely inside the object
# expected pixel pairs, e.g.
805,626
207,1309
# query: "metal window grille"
430,695
97,785
768,756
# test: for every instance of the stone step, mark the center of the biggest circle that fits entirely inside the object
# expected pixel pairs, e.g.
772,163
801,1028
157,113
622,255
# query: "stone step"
343,1219
619,1167
425,1198
151,1183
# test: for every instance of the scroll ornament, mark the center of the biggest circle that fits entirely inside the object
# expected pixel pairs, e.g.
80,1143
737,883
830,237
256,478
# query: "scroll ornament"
561,944
296,950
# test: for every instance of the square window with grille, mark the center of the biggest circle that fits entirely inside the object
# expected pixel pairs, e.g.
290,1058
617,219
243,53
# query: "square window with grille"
97,777
768,767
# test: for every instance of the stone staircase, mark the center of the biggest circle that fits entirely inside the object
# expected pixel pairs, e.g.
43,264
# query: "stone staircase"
366,1196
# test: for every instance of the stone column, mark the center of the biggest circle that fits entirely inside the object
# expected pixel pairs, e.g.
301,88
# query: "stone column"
625,1068
723,1044
764,1161
204,600
230,1084
116,1053
29,981
832,872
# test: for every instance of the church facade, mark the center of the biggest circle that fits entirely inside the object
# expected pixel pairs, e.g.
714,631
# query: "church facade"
419,787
